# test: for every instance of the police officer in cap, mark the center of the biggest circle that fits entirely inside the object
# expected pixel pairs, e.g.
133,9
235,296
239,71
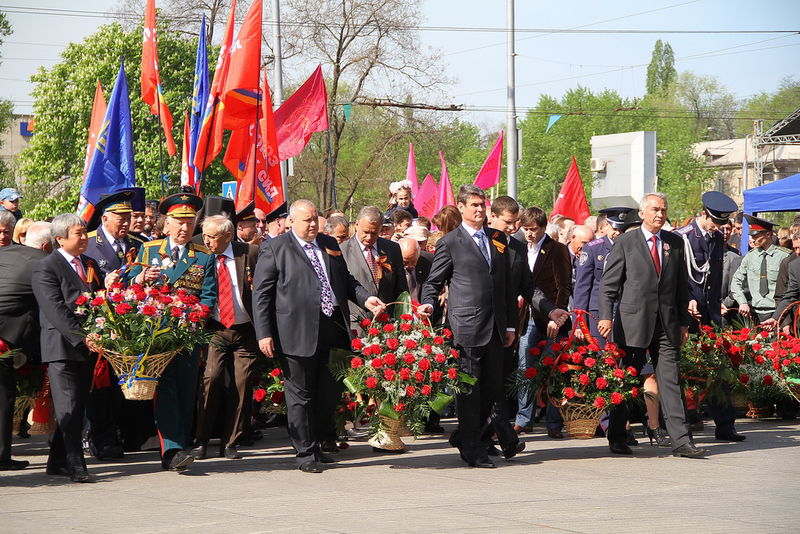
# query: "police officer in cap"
177,261
246,225
276,222
590,265
110,243
704,267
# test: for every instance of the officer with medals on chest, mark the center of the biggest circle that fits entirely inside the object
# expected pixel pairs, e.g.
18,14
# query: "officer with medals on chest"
590,265
176,261
110,243
704,266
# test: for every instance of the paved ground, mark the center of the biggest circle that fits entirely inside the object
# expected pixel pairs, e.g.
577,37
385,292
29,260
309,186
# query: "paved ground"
570,486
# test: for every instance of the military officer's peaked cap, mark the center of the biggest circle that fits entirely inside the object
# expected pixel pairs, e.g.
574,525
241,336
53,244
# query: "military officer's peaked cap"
719,206
757,224
181,205
616,217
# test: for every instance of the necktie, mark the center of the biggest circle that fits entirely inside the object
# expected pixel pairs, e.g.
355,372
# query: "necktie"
118,247
763,283
79,268
175,255
654,254
226,313
480,239
325,293
412,283
373,265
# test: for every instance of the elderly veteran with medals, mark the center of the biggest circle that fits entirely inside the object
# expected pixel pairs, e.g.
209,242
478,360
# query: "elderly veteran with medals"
182,264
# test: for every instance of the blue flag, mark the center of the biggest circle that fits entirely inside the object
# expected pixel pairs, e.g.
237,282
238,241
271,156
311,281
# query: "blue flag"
112,166
199,99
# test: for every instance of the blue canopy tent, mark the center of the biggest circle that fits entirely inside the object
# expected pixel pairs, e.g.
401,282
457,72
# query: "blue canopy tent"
780,195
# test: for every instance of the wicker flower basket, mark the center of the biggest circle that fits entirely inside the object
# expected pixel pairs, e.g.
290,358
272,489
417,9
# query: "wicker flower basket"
138,376
388,437
41,428
759,411
21,405
580,420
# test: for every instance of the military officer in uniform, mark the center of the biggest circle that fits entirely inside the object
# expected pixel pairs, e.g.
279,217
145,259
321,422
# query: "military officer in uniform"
177,261
758,272
590,265
705,247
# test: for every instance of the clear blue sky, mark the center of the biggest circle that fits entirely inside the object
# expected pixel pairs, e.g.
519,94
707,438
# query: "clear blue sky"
745,63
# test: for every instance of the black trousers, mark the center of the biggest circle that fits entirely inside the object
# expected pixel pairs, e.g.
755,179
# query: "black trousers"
664,356
311,390
227,382
69,386
499,424
8,394
474,405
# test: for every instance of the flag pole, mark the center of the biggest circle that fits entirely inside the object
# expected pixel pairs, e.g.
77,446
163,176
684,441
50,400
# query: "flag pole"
255,146
160,145
333,171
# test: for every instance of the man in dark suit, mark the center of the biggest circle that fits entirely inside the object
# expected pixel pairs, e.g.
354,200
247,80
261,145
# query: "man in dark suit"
300,293
185,265
482,312
375,262
58,280
646,275
19,324
233,348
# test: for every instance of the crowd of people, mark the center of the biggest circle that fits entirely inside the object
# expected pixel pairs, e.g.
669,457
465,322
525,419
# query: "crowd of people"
291,285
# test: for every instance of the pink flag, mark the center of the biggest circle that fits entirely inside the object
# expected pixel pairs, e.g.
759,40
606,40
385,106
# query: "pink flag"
489,175
446,197
411,171
427,198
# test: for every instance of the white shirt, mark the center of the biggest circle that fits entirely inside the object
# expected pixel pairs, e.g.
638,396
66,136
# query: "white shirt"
659,247
69,257
364,250
240,314
533,251
319,254
111,240
172,245
472,232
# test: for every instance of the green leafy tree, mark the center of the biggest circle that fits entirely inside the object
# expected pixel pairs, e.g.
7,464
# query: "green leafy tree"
53,163
661,71
771,106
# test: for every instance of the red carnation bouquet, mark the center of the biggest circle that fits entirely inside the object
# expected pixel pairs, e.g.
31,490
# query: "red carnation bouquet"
404,366
784,355
270,392
139,329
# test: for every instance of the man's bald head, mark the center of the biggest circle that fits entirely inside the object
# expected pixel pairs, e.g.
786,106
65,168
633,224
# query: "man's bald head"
579,236
410,249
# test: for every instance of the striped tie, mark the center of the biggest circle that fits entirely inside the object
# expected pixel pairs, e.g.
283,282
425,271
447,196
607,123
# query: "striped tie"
225,302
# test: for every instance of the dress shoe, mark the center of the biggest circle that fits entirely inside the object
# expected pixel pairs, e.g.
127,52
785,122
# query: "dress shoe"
180,461
200,452
231,453
484,463
729,435
80,474
14,465
520,429
328,446
555,433
310,467
689,451
512,450
492,450
58,470
110,452
619,447
630,440
433,428
325,459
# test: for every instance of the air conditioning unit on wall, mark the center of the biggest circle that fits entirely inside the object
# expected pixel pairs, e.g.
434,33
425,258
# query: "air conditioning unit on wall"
597,165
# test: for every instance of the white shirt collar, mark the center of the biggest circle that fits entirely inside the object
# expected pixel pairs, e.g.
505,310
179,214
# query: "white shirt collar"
302,242
67,256
109,238
471,231
537,244
648,234
228,252
364,248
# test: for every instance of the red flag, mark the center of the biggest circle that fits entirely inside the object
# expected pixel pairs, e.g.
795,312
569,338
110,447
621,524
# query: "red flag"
95,124
571,201
240,92
303,113
427,198
262,180
240,145
411,171
489,175
187,177
152,93
209,143
445,196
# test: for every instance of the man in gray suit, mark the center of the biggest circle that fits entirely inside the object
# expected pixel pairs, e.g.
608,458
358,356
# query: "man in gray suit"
482,310
376,263
645,276
300,292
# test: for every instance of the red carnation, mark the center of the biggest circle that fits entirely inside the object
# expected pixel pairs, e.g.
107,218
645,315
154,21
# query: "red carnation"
377,363
399,407
616,398
531,372
373,331
436,376
599,402
556,347
389,374
440,358
563,368
116,297
418,376
80,301
619,373
405,373
176,312
275,372
365,323
277,397
383,317
356,344
259,395
609,361
454,353
149,310
577,358
194,317
409,358
601,382
767,380
535,351
438,340
409,343
635,392
410,390
584,379
372,382
425,333
569,393
388,328
390,359
406,317
123,308
744,379
97,301
392,343
424,364
452,373
759,359
426,390
405,327
427,349
356,362
632,371
447,333
589,362
548,361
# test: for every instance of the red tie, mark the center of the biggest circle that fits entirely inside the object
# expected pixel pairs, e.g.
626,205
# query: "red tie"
226,314
79,268
654,254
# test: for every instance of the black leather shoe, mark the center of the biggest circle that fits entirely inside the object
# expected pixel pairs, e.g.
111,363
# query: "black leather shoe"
433,429
510,452
729,435
200,452
492,450
689,451
80,474
328,446
180,461
629,439
310,467
14,465
58,471
325,459
554,433
619,447
484,463
232,454
110,452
